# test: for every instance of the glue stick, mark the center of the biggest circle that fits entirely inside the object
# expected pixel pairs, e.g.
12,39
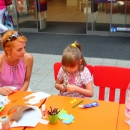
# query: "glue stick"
44,111
5,122
93,104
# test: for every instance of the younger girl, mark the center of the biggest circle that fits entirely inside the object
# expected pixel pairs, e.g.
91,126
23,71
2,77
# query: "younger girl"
74,78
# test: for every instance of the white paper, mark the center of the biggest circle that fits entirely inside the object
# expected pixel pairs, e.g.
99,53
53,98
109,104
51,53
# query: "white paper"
36,97
0,126
29,118
13,87
3,100
43,121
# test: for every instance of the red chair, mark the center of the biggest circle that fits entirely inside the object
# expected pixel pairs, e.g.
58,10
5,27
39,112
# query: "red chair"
57,66
113,78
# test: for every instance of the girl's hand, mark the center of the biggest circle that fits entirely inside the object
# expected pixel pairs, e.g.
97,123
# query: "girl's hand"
6,91
63,89
71,88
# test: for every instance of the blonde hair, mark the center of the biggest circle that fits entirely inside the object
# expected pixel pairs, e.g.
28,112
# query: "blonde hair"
9,44
72,56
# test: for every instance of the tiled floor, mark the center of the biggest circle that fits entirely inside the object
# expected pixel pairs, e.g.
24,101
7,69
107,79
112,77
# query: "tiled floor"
43,78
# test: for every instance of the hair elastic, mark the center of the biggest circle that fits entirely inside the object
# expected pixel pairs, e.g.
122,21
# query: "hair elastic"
73,45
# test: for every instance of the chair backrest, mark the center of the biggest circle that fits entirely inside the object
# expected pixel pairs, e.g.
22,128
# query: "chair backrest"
112,77
57,66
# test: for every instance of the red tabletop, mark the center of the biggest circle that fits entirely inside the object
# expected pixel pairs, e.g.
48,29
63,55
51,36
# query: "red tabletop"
121,123
103,117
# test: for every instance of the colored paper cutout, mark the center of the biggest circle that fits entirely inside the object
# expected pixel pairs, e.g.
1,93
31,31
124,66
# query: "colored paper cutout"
65,117
1,108
68,119
61,113
73,101
35,98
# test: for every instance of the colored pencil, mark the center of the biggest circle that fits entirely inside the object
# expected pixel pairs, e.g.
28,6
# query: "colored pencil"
43,102
77,104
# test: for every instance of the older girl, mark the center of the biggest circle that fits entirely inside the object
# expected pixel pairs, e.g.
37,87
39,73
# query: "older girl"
74,79
15,63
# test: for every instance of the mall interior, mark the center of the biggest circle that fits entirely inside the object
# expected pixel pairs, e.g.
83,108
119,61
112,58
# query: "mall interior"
53,24
87,17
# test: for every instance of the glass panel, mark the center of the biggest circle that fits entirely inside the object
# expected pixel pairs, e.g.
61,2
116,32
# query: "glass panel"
128,16
12,12
24,13
41,9
98,15
66,16
121,17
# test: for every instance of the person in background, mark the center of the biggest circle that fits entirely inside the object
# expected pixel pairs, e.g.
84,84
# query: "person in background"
2,10
74,78
15,64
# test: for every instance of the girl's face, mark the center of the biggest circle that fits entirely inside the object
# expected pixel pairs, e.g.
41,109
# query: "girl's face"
75,68
72,69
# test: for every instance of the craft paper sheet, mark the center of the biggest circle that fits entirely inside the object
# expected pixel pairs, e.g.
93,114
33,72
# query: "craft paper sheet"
36,97
29,118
